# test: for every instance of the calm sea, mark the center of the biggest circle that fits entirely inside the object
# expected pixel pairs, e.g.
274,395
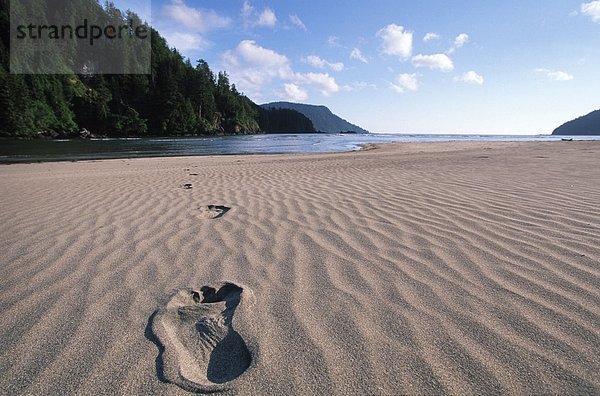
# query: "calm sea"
61,150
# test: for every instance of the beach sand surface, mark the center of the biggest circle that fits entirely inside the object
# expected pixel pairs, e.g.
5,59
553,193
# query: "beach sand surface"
435,268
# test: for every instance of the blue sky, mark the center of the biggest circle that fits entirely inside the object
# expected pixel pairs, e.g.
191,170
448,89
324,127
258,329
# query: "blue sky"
418,66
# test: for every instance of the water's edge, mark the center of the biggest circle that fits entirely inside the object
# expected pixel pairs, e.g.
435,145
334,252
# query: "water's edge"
20,151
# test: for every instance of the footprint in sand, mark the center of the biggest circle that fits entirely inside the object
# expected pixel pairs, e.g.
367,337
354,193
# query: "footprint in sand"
213,211
200,350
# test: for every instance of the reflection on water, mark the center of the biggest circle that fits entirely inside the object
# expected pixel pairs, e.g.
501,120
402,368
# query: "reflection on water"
58,150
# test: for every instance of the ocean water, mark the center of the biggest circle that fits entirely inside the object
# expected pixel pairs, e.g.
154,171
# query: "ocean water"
77,149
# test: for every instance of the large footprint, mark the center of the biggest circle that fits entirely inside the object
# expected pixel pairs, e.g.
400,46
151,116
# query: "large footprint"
201,350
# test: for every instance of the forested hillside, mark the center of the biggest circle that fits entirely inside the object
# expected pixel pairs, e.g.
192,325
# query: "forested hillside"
588,124
177,98
321,117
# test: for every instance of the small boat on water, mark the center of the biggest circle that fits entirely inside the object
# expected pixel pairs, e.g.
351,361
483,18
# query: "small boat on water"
567,139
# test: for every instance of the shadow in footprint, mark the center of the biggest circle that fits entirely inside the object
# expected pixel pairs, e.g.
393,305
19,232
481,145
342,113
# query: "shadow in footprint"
213,211
231,348
198,348
158,362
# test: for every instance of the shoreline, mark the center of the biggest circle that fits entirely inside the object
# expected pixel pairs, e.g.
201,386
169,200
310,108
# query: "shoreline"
407,268
85,150
363,147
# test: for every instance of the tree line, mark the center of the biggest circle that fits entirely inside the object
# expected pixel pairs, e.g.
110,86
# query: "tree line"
175,99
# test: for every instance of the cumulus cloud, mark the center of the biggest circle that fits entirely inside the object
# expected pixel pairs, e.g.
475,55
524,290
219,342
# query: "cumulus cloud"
358,55
253,67
560,76
267,18
253,18
435,62
470,77
317,62
196,19
293,92
406,82
556,75
186,41
254,54
431,36
592,9
395,40
459,42
323,82
296,21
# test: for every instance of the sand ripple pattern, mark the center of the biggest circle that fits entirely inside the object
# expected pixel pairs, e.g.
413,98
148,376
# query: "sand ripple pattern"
460,269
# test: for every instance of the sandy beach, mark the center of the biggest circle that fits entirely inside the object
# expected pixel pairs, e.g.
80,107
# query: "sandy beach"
410,268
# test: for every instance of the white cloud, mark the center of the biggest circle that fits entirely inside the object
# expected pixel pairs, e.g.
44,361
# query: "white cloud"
323,82
253,68
359,85
247,10
316,61
560,76
296,21
592,9
556,75
409,81
358,55
396,41
459,42
437,61
334,41
253,18
267,18
194,18
431,36
470,77
293,92
254,54
186,41
406,82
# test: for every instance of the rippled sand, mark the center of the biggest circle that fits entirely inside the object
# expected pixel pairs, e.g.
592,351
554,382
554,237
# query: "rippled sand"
454,268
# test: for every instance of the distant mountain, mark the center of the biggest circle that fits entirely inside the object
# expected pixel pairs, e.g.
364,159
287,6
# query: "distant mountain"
322,118
586,125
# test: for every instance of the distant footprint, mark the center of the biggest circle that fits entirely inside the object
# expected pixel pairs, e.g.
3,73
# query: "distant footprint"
201,351
213,211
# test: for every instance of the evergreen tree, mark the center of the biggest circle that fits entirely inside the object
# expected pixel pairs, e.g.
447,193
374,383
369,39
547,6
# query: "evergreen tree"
176,98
